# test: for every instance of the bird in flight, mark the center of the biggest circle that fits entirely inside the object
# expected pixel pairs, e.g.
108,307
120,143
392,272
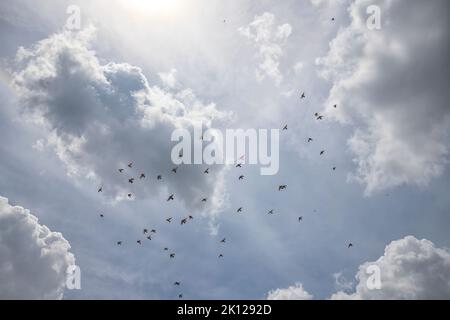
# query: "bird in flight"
130,165
153,231
320,118
332,19
180,296
350,245
176,283
206,171
172,255
129,195
220,255
239,210
310,140
303,96
223,240
120,170
322,152
142,176
100,189
241,177
239,165
270,211
285,127
101,215
165,249
300,219
149,237
170,197
139,242
174,170
119,243
145,231
282,187
169,219
190,217
334,168
131,180
335,106
183,221
204,199
159,177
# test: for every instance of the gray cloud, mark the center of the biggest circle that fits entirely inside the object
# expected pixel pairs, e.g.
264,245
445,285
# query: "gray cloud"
102,116
34,260
391,85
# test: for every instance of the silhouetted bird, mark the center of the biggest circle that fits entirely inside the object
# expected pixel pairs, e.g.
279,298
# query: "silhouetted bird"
169,219
190,217
180,296
206,171
172,255
174,170
334,168
131,180
170,197
282,187
100,189
130,165
332,19
183,221
310,139
220,255
176,283
120,170
241,177
350,245
300,219
149,237
101,215
129,195
320,118
165,249
139,242
142,176
204,199
322,152
223,240
270,212
159,177
239,165
145,231
239,210
335,106
285,127
153,231
119,243
303,96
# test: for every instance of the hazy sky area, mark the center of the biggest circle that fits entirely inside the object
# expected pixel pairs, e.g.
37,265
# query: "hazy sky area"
77,105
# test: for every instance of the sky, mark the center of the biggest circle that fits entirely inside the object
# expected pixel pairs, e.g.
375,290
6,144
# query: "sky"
78,104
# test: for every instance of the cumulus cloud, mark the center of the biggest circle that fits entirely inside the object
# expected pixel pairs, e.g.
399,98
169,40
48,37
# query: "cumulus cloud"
101,116
409,269
295,292
34,260
169,78
269,40
391,85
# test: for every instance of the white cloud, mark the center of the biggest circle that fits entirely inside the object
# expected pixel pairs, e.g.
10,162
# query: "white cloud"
102,116
409,269
391,84
169,78
295,292
269,41
34,260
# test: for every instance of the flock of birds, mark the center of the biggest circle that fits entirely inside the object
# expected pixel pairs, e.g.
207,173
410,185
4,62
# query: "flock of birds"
148,233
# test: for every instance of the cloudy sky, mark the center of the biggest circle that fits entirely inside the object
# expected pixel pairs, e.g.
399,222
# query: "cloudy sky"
77,104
